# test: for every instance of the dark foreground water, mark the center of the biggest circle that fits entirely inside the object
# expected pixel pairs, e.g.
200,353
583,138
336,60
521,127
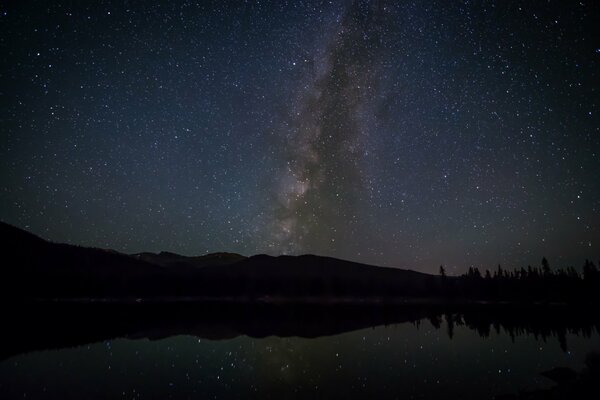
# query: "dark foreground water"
438,356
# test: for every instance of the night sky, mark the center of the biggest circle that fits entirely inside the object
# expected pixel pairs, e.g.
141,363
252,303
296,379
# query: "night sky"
408,134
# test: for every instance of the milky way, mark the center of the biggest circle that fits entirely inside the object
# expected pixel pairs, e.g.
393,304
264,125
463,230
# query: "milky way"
408,134
322,182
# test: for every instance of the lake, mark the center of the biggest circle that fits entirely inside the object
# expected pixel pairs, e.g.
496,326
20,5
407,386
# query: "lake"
431,357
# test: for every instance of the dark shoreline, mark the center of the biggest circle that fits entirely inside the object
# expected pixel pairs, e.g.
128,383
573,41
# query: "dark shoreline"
281,300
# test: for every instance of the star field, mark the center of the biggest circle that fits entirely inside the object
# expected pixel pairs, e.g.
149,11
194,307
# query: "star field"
409,134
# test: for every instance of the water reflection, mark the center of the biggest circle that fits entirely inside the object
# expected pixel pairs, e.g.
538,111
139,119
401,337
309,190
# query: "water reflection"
207,351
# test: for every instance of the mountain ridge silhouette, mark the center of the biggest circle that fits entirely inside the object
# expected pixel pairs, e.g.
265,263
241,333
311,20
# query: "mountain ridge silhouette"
76,271
40,269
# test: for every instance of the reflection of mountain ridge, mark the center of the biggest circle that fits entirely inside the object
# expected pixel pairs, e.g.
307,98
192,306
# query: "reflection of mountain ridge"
39,326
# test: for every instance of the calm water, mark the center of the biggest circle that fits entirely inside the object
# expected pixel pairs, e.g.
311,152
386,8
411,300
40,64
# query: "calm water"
405,360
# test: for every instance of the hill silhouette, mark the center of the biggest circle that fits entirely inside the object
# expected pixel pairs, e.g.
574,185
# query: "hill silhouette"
40,269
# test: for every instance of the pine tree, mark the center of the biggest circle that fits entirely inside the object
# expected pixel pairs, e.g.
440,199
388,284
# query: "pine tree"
442,271
545,267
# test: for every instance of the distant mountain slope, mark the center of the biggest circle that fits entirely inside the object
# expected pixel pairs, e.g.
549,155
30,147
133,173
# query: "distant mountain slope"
167,259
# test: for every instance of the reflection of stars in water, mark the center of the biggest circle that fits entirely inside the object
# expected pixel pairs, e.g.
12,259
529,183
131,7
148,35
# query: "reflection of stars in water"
368,362
311,366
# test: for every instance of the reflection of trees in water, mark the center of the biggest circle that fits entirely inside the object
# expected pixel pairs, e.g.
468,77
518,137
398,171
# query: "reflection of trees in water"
542,323
45,325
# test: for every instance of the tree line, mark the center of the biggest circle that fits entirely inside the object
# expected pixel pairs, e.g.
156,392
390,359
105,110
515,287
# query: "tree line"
540,283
